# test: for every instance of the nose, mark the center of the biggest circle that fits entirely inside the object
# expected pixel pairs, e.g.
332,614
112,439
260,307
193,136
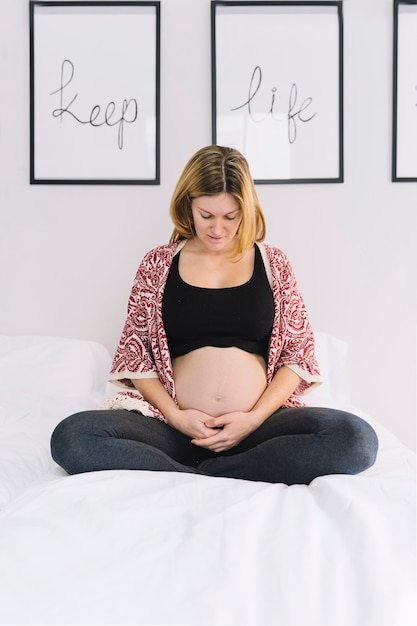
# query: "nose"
217,227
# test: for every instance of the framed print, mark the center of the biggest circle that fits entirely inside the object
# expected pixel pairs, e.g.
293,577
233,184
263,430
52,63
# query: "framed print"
404,148
94,92
277,87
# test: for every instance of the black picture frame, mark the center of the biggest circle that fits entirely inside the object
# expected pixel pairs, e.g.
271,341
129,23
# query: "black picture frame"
280,65
94,93
404,105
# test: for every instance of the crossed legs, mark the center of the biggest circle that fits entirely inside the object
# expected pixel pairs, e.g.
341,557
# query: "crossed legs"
293,446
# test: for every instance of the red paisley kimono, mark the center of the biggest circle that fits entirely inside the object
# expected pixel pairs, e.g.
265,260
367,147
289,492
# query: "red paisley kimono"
143,348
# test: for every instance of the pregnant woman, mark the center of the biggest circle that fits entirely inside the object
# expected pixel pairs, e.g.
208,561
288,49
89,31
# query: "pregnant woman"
216,353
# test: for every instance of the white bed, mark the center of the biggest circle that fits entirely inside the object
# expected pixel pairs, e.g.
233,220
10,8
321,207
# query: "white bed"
153,548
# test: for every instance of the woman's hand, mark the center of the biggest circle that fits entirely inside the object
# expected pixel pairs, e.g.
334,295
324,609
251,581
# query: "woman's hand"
229,430
192,423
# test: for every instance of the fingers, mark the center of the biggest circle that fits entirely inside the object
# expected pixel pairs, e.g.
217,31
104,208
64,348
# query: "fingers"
214,422
202,443
216,443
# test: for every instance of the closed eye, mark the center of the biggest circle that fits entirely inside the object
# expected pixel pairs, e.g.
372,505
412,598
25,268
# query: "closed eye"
229,216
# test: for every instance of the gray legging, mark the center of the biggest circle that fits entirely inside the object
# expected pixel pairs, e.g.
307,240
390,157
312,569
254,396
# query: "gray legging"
294,445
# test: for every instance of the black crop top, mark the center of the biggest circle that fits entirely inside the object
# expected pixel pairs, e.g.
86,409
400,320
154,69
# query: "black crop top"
239,316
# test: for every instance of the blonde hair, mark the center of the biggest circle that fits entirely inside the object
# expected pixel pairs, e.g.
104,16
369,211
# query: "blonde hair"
210,171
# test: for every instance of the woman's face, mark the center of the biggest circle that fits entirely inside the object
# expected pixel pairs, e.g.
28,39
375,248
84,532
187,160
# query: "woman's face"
216,220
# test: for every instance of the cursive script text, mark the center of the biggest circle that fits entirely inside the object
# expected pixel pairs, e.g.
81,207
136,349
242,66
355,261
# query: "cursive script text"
98,116
296,112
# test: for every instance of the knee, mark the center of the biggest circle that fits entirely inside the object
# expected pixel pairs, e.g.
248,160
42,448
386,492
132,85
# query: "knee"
360,442
67,439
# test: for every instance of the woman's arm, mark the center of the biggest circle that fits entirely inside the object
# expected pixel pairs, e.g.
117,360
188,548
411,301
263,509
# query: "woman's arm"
190,422
282,386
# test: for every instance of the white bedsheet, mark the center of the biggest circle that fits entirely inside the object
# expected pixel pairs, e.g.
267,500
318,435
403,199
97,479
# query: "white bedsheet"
150,548
154,548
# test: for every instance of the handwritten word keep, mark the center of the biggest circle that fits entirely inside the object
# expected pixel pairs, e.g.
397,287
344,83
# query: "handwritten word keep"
296,112
97,116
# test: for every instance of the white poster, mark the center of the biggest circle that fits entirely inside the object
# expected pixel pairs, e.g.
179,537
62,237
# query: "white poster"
405,91
94,93
277,88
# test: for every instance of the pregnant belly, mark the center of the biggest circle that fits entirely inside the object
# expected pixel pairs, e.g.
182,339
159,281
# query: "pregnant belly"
219,380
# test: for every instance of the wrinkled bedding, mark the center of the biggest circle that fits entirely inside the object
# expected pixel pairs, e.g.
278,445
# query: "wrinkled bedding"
153,548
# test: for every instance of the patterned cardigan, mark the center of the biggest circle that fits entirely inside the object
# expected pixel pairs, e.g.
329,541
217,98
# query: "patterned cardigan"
143,348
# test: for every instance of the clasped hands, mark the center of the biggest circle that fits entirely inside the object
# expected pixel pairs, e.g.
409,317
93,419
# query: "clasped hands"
218,434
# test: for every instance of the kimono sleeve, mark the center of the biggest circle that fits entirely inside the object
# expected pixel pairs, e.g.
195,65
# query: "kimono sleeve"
293,335
133,357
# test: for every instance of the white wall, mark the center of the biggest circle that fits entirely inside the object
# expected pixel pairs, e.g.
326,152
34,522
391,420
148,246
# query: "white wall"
68,254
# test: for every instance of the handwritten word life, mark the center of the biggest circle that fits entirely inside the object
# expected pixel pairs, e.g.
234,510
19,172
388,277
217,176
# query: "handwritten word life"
97,117
295,111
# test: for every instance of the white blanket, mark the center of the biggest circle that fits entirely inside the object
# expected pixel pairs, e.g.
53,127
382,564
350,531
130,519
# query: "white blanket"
150,548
